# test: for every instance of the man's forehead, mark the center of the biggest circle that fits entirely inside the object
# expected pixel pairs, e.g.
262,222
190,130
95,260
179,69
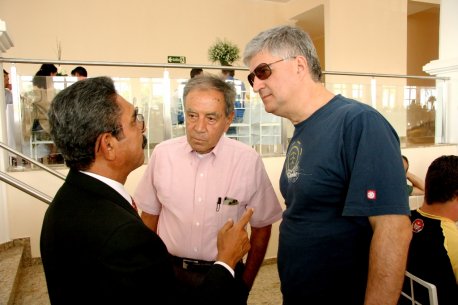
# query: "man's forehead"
204,111
261,57
124,104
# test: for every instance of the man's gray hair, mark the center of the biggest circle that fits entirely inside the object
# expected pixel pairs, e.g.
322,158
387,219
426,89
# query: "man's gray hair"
207,82
79,114
285,41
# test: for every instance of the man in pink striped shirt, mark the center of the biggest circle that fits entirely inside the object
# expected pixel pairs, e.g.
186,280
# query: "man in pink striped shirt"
193,184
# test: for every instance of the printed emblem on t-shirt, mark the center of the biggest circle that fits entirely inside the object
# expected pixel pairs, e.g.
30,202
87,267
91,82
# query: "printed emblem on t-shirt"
417,225
292,161
371,194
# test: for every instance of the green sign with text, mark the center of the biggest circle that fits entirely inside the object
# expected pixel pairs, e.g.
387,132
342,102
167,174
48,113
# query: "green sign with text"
176,59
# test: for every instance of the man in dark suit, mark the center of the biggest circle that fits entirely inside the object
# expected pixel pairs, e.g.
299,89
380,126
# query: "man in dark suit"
94,247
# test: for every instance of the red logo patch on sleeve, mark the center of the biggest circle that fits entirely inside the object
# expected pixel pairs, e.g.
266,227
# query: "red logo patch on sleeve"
417,225
371,194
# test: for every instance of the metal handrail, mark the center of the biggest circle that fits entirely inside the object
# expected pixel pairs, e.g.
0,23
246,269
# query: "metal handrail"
112,64
385,75
188,66
25,188
34,162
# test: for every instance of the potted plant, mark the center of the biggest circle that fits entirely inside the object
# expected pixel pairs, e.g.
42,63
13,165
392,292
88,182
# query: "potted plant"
224,52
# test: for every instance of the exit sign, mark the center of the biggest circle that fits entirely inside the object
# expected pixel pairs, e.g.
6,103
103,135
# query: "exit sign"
176,59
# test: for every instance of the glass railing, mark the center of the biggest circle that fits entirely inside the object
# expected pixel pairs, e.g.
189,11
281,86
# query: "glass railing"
158,99
413,106
415,111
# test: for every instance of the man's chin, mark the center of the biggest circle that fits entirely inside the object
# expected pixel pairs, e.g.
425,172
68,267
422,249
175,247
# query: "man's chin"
201,149
267,104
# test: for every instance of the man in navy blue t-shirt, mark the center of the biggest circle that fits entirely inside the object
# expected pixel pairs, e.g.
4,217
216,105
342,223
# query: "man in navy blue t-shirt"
345,232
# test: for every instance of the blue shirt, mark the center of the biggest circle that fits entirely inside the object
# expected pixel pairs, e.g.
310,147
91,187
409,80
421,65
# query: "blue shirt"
343,164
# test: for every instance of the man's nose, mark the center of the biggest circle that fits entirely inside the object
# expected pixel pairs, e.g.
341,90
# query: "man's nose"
257,84
201,124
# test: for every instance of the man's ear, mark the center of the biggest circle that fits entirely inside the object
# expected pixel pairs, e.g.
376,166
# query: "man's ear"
229,119
302,64
107,146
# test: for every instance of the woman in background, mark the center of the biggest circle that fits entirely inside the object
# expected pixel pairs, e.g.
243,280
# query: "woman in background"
43,94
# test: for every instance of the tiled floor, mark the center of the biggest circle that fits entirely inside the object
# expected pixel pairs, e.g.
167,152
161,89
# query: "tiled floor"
266,288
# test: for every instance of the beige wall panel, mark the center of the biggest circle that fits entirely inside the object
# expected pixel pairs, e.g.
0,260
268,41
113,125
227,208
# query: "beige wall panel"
370,36
135,31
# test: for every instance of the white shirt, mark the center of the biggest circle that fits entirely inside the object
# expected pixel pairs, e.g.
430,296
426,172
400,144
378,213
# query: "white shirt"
118,187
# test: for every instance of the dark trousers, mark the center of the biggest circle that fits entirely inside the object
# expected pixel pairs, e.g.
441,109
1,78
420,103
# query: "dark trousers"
193,276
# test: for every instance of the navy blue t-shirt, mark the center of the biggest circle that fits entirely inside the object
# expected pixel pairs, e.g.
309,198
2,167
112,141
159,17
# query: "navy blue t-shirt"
343,165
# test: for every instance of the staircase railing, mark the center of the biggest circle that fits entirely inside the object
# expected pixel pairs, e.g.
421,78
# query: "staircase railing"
24,186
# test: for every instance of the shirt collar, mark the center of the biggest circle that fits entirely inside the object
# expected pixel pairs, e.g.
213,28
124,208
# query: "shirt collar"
216,150
118,187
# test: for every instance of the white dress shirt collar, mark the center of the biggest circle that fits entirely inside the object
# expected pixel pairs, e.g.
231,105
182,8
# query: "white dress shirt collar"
118,187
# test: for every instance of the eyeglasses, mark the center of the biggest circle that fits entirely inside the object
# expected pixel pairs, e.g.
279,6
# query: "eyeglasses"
139,118
263,71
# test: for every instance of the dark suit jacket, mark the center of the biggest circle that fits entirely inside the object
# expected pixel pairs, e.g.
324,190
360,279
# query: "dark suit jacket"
96,250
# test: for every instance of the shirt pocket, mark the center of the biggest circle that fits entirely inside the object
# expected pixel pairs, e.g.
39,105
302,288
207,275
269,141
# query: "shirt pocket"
227,211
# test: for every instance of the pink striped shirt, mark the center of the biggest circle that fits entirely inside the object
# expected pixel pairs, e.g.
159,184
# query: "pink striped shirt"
183,189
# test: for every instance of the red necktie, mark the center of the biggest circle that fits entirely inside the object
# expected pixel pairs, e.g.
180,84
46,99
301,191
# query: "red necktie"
134,205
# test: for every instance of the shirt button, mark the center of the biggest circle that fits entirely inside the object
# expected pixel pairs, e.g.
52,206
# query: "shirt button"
195,249
197,224
201,174
199,199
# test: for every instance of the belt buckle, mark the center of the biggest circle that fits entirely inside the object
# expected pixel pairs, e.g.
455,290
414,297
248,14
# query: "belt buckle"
188,262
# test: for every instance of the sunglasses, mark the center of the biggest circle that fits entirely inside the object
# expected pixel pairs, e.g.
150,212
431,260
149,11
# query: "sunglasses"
263,71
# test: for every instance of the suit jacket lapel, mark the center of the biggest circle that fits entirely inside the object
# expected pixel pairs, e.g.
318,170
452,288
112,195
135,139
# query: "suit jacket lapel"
99,189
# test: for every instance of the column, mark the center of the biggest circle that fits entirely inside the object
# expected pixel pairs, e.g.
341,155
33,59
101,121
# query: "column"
447,66
5,44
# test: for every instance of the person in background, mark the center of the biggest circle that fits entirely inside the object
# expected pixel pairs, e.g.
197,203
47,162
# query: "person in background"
94,246
35,110
79,72
9,114
433,253
239,104
194,183
345,233
417,186
196,72
44,92
7,85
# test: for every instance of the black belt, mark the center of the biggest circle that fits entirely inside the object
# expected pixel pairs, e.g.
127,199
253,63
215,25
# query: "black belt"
192,264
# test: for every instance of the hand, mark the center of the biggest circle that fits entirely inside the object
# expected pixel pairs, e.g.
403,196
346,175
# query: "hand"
233,242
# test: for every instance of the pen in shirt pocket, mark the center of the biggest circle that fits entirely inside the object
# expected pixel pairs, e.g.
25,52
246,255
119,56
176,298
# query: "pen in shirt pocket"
226,201
218,204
